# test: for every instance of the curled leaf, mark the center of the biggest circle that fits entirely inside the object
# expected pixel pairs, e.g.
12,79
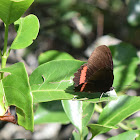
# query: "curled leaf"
10,115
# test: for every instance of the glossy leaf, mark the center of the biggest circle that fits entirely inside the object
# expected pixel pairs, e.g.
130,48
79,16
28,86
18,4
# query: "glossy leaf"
124,105
53,81
17,92
97,129
79,113
130,135
76,135
53,55
125,61
12,10
27,32
123,54
115,112
124,76
50,112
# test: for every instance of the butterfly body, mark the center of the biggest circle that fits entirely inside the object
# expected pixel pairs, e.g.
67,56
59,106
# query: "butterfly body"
97,74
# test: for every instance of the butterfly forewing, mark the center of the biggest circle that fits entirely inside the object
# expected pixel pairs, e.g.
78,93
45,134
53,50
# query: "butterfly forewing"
100,58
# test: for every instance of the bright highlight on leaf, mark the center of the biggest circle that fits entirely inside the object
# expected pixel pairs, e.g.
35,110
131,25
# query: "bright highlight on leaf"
79,113
27,32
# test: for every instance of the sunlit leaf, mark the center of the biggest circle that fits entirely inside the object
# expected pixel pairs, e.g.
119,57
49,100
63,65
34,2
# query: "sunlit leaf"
130,135
124,105
76,134
79,113
97,129
17,92
125,61
114,112
12,10
27,32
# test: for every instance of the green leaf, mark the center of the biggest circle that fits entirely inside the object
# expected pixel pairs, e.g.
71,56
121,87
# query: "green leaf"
27,32
53,81
17,92
133,17
130,135
3,102
124,76
138,138
76,135
12,10
50,112
119,109
115,112
133,123
135,85
123,54
97,129
53,55
79,113
125,61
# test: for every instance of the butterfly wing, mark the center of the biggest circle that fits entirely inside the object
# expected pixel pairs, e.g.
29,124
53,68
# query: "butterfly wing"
97,74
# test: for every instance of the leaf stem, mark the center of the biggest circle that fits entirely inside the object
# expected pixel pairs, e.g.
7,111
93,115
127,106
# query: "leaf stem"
98,108
124,126
4,55
81,136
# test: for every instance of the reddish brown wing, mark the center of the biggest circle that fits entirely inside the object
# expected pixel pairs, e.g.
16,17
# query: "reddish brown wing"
97,74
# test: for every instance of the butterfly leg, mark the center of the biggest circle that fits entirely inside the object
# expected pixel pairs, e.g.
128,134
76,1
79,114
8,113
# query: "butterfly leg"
101,96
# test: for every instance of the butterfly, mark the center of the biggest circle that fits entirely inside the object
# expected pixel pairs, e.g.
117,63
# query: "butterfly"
97,74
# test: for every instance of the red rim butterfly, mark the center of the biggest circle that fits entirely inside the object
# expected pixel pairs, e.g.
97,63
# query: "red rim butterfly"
97,74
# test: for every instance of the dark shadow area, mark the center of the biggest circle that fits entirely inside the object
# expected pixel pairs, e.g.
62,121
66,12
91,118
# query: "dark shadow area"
52,56
52,106
86,96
